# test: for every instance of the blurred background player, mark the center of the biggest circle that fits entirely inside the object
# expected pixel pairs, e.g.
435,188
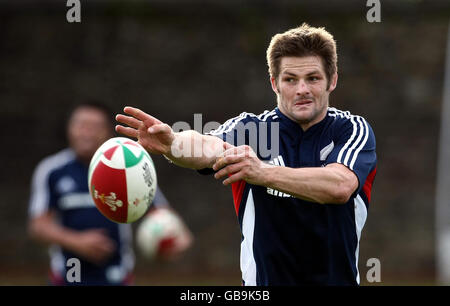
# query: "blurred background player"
62,213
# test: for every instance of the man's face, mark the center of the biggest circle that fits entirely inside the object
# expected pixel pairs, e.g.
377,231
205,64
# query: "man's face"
88,128
301,89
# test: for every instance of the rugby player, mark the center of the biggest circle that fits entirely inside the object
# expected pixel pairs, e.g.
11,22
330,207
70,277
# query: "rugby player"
301,210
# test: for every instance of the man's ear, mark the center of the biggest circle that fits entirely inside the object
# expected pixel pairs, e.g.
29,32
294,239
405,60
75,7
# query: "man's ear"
273,82
333,82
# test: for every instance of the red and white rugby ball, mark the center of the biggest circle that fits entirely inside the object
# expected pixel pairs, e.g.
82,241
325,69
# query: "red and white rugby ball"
122,180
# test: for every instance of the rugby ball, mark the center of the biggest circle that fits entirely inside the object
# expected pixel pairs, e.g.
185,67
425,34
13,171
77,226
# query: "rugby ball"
122,180
158,233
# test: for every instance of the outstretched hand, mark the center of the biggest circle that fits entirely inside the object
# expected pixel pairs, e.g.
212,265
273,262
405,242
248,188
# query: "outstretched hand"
154,135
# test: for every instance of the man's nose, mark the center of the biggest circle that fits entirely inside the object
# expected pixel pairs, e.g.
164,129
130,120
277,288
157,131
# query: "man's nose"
302,88
87,130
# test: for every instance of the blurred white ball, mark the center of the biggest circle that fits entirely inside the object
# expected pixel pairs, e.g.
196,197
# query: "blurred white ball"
158,232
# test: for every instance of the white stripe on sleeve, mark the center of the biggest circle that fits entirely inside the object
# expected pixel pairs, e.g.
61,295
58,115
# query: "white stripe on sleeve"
363,143
349,141
40,192
356,143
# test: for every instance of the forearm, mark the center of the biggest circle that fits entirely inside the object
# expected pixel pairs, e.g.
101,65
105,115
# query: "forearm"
191,149
49,232
321,185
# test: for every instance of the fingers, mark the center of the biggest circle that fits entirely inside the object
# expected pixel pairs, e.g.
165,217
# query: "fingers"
238,163
107,246
96,246
136,121
230,169
138,114
130,121
226,160
101,252
233,178
232,155
103,243
127,131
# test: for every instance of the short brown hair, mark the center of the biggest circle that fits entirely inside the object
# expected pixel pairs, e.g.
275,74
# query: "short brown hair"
303,41
95,104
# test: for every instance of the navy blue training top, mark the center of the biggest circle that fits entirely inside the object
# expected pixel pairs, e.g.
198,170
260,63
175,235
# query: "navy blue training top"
289,241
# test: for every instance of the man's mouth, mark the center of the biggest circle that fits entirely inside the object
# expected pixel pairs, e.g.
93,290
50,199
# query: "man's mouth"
303,102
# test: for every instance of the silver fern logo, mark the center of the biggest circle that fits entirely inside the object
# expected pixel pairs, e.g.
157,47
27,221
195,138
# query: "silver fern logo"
326,151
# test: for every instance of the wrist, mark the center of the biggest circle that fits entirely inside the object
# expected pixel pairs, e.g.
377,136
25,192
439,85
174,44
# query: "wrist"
174,150
268,172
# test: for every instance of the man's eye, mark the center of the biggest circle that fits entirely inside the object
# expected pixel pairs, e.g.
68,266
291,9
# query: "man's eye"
314,78
290,80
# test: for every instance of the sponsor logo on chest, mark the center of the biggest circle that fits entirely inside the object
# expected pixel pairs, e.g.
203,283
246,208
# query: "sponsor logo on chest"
278,161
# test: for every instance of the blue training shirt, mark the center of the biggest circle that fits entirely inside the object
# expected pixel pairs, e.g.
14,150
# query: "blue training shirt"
60,183
289,241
